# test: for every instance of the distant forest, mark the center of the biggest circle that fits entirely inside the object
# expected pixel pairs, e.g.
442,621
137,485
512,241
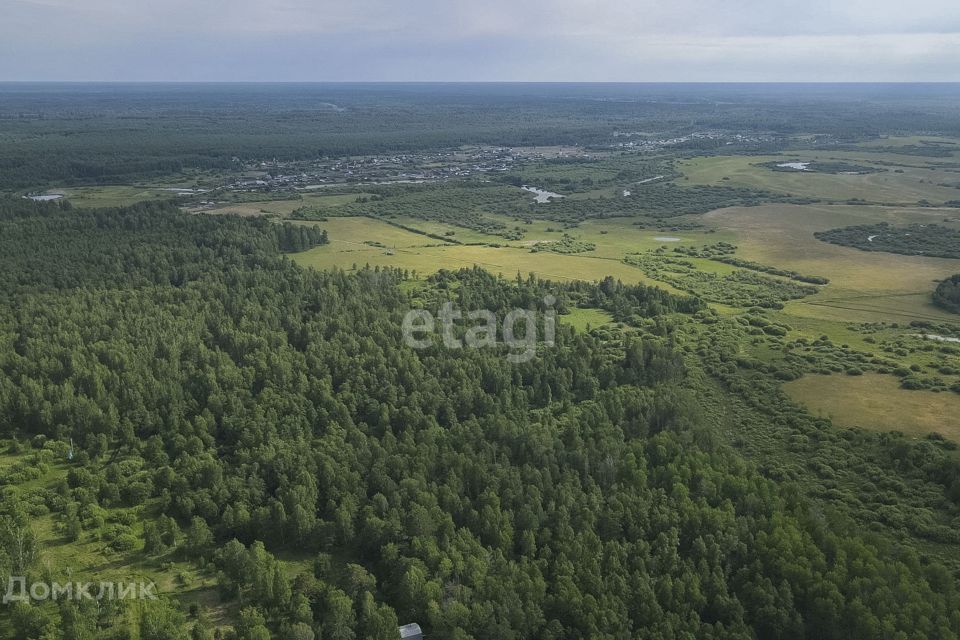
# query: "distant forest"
56,133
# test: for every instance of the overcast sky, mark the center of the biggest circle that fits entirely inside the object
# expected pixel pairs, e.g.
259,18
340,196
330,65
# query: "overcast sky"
511,40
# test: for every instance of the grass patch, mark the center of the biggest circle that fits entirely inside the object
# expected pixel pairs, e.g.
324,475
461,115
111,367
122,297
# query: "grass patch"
864,286
876,402
582,319
111,196
911,186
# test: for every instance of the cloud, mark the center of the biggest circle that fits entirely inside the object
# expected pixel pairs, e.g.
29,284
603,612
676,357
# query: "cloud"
496,39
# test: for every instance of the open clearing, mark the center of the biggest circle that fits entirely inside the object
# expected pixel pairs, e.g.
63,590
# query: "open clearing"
876,402
350,234
582,319
349,238
111,196
915,183
91,558
864,285
507,261
281,207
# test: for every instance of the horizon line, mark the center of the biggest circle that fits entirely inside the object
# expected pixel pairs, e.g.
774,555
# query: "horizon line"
516,82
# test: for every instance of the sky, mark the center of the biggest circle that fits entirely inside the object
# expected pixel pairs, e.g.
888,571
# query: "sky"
481,40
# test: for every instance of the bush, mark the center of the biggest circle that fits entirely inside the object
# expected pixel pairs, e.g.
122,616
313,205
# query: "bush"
124,542
947,294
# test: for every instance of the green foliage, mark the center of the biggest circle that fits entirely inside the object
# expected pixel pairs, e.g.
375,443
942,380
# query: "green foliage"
914,239
74,133
884,482
160,620
657,202
567,244
255,408
294,238
947,294
824,166
199,537
741,288
30,622
461,206
723,252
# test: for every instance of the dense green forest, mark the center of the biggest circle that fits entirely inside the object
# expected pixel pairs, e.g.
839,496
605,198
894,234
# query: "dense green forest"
246,410
915,239
947,294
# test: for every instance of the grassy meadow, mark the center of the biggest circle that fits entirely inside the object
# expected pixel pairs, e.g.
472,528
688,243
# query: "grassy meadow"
583,319
864,286
876,402
900,179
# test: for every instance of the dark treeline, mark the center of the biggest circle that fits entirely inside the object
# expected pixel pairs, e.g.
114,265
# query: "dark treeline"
913,240
50,245
245,407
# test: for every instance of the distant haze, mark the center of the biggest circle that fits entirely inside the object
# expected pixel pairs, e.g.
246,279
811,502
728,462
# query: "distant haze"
492,40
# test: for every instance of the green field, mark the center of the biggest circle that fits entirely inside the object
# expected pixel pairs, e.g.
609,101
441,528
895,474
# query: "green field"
583,319
281,208
876,402
915,183
507,261
870,285
111,196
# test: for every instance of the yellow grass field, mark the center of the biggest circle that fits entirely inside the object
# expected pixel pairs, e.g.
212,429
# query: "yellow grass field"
506,261
876,402
915,183
408,250
864,285
110,196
